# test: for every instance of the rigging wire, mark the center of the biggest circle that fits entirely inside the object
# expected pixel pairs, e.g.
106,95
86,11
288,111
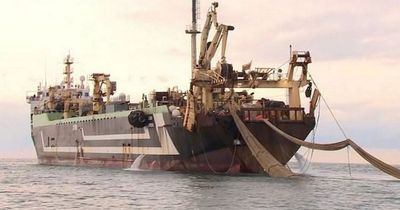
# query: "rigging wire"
348,160
336,121
329,108
283,64
210,166
309,162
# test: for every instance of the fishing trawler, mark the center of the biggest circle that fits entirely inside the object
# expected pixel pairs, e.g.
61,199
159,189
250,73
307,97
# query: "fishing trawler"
207,128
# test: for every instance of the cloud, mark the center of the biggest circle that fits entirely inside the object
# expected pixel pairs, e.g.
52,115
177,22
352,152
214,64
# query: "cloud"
331,30
142,44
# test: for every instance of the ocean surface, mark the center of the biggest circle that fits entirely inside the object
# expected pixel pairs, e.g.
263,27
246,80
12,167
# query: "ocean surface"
26,185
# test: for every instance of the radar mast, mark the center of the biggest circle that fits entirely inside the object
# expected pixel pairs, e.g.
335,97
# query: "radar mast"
68,61
193,30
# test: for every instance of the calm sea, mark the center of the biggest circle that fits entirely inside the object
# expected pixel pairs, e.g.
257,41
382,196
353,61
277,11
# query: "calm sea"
26,185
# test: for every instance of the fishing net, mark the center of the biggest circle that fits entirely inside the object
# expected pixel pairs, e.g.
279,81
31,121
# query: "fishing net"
395,172
270,165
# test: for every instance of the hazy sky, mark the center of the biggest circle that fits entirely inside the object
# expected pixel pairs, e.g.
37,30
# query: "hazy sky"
354,47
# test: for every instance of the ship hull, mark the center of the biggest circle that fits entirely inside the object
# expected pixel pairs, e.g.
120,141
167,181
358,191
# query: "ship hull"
108,140
220,161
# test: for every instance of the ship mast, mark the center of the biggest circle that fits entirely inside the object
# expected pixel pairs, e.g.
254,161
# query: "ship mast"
192,29
67,94
68,61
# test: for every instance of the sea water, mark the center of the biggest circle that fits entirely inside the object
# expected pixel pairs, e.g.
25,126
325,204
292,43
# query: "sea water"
26,185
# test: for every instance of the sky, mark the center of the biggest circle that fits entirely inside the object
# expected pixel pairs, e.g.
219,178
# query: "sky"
354,47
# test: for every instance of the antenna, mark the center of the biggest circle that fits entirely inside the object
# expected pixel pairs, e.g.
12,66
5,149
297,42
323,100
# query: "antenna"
195,11
68,61
45,71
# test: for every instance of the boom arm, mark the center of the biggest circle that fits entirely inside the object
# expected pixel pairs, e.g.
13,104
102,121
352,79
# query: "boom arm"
204,35
220,35
207,50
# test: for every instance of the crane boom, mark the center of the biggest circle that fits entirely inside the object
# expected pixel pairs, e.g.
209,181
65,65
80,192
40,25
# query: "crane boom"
211,17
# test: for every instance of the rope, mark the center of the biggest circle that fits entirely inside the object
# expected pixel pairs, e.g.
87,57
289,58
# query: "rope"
336,121
283,64
205,156
329,108
209,165
348,160
308,163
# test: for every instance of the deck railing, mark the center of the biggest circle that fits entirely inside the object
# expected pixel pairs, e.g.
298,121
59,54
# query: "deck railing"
273,114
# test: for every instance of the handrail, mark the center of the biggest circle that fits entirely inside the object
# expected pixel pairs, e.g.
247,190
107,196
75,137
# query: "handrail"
287,114
271,108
